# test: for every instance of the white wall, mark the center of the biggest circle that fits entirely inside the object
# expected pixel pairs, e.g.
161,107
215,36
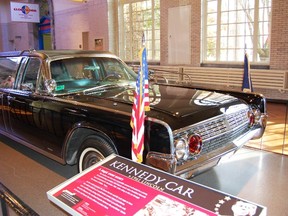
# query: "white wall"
74,18
62,5
13,35
71,19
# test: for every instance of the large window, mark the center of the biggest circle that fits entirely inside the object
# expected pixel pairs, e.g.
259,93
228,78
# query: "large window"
233,26
138,17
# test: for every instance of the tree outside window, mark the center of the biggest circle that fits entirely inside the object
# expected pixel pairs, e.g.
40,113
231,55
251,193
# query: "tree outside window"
140,17
234,26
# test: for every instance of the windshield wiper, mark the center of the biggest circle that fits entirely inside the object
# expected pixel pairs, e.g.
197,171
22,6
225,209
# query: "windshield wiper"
100,88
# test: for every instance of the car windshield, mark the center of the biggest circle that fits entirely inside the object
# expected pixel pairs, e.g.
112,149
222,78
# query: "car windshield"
85,73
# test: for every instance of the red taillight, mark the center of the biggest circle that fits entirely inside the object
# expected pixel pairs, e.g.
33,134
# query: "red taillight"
251,119
195,144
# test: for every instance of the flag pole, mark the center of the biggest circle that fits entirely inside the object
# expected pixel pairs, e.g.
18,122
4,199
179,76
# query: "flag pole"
246,81
140,105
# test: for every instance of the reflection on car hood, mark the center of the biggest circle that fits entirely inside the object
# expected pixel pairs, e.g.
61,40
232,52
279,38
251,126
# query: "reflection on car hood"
173,100
183,102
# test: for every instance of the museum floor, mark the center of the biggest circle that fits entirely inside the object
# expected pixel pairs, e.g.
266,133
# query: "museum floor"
275,138
256,175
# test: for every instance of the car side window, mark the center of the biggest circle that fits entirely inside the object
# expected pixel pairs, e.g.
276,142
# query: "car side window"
59,71
30,74
8,68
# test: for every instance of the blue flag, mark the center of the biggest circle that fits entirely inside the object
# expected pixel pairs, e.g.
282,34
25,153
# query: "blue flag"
247,82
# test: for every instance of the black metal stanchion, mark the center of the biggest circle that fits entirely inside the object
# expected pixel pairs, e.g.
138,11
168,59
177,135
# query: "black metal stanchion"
8,199
3,206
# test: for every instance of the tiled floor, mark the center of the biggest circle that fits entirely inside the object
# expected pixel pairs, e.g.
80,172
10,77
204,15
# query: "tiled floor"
252,174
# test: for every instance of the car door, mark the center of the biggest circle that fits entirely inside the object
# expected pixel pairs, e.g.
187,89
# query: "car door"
22,97
8,68
25,109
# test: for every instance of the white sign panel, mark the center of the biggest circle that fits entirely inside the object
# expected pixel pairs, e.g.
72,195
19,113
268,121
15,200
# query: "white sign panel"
24,12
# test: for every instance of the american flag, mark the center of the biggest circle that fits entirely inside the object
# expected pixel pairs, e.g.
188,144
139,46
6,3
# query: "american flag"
140,105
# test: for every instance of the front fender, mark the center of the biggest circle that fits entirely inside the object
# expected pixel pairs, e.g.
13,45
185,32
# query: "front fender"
78,134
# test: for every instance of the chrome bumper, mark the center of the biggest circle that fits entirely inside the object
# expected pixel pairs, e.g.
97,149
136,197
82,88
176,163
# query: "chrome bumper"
168,162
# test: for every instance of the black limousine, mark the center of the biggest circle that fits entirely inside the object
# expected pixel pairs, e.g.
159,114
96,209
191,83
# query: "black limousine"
75,107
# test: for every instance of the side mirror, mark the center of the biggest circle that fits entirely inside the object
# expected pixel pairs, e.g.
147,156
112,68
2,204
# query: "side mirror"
50,85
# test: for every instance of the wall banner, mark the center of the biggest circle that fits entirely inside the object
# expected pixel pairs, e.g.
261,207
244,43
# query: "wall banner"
24,12
118,186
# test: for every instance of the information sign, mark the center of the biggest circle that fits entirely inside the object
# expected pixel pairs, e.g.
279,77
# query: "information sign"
24,12
118,186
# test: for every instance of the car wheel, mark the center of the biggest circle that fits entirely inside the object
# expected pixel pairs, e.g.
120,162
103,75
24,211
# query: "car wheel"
93,150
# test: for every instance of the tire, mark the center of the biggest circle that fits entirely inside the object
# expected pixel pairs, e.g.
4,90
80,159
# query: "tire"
92,151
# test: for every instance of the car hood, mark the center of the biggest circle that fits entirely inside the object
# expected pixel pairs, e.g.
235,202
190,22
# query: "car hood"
168,102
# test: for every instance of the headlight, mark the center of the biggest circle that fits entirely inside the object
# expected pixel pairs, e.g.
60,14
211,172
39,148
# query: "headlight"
181,149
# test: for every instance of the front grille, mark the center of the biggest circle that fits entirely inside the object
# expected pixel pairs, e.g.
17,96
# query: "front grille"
219,131
221,125
239,118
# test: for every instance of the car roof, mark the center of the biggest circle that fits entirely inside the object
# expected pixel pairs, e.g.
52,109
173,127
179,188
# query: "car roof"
52,54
